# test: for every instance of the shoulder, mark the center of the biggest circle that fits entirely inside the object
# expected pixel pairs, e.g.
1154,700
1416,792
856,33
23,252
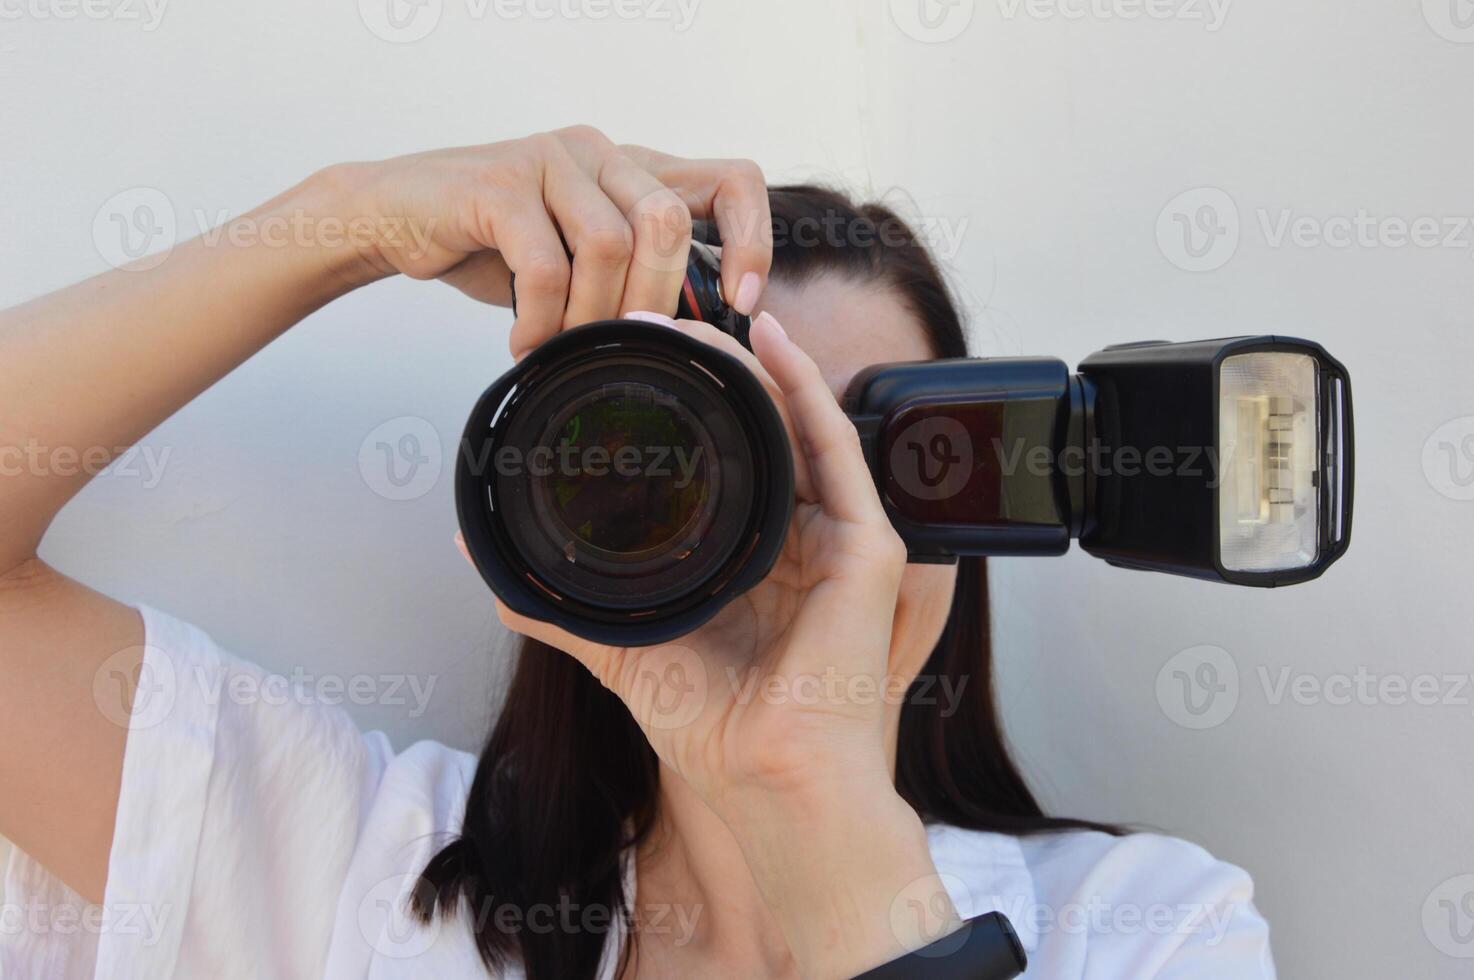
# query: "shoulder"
1090,904
295,749
1132,866
261,813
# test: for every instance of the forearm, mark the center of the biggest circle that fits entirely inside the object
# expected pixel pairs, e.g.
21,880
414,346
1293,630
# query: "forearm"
851,879
88,371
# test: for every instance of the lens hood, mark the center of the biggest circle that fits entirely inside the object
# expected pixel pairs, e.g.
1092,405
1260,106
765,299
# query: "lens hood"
624,482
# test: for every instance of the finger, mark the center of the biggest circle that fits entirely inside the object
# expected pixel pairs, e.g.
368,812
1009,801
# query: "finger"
735,194
662,230
533,250
483,276
597,234
826,437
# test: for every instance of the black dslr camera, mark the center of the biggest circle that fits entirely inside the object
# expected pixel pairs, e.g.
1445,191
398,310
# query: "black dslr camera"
625,481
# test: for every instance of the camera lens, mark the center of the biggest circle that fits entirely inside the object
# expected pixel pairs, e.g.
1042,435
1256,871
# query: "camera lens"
634,484
624,481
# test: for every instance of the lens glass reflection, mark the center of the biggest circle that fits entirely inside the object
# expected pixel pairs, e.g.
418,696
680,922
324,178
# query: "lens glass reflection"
630,475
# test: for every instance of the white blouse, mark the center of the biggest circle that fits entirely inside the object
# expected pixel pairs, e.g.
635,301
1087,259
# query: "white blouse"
263,838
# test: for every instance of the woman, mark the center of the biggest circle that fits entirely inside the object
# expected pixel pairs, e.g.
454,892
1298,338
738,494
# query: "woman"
799,817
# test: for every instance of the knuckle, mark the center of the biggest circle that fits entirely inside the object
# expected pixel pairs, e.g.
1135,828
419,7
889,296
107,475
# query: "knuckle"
583,133
665,211
610,244
343,178
545,143
544,273
540,149
513,173
746,172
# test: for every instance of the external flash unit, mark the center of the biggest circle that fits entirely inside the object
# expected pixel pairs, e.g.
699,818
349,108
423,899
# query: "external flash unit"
625,481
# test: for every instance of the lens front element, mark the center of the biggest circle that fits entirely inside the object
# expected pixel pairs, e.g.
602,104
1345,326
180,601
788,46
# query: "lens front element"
634,480
624,481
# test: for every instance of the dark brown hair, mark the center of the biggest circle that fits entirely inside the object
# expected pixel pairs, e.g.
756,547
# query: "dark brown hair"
567,782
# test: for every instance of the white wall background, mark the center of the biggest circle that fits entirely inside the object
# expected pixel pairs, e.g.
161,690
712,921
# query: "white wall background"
1051,136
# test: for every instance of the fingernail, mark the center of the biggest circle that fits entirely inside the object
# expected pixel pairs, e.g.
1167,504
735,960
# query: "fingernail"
748,291
649,317
766,317
461,547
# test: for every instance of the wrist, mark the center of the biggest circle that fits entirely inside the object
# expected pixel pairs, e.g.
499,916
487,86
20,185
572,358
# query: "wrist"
338,202
849,877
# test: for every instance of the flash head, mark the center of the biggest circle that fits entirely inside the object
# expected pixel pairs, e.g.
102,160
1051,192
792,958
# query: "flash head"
1272,416
1222,459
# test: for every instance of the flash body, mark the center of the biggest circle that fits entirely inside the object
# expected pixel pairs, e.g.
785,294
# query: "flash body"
1222,459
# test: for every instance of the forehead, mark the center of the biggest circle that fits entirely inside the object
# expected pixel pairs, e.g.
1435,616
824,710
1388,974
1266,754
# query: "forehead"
846,326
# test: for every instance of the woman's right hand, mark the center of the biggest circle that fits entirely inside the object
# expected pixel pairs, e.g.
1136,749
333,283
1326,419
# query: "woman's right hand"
775,712
93,368
592,230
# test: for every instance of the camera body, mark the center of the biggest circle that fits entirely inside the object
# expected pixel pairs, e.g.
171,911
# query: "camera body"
626,482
